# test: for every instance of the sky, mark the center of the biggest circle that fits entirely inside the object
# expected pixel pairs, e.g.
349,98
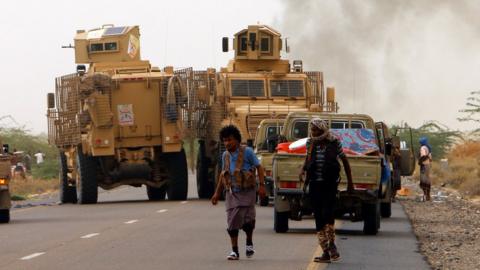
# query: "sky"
396,60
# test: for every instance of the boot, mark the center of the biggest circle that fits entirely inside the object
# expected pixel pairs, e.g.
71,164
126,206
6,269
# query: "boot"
323,242
332,249
333,252
325,258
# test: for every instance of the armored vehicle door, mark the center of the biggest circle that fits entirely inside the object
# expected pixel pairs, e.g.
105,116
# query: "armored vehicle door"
403,139
384,139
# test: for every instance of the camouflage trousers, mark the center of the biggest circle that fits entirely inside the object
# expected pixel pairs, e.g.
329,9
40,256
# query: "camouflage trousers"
326,237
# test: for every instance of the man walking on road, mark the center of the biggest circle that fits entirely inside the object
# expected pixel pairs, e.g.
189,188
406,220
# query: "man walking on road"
322,177
239,165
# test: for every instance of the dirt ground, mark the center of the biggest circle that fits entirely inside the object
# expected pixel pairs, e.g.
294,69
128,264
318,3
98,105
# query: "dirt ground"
447,227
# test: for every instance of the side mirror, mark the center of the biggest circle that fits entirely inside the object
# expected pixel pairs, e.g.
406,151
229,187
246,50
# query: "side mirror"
51,100
225,44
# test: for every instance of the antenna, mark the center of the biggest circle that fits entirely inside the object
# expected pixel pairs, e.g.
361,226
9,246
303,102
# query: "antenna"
69,46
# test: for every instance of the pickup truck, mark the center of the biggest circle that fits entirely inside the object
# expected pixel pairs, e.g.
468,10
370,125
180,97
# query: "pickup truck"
370,170
265,141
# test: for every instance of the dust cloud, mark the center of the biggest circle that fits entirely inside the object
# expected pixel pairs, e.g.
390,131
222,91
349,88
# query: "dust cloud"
400,61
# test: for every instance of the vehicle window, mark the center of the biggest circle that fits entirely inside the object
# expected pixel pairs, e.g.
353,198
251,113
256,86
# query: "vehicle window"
243,44
96,47
265,44
357,125
286,88
338,125
344,124
273,130
111,46
300,129
248,88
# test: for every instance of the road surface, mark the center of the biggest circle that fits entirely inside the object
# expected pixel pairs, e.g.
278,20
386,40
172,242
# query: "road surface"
126,231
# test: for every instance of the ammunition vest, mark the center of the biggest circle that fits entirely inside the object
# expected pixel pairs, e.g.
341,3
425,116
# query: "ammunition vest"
244,179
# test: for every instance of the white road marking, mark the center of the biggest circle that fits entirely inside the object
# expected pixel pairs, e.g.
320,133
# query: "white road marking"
131,221
184,202
89,235
162,210
31,256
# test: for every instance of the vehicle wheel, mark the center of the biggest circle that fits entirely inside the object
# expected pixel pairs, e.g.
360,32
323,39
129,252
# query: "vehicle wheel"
87,189
263,202
371,218
4,215
68,193
280,222
156,194
177,176
386,209
205,187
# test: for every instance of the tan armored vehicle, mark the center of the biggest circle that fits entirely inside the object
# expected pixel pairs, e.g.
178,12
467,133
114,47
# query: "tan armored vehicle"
119,121
370,166
257,84
5,202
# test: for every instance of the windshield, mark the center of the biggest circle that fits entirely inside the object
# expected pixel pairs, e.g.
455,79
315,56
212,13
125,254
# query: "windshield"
248,88
286,88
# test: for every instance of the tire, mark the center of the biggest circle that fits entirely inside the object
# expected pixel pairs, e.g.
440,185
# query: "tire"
68,194
205,188
87,189
4,215
177,176
280,222
156,194
386,210
371,218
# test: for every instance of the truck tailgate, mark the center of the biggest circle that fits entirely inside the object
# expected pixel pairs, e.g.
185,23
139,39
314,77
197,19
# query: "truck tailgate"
366,172
286,167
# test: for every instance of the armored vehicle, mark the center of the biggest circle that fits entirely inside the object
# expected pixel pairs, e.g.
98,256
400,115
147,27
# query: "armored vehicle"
368,151
266,139
257,84
118,121
5,202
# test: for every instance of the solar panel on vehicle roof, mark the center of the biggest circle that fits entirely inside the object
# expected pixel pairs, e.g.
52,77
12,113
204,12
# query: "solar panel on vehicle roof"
114,31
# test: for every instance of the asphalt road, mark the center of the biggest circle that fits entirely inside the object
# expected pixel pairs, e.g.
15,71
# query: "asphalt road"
125,231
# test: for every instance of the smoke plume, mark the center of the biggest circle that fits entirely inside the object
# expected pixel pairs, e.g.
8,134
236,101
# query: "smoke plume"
405,60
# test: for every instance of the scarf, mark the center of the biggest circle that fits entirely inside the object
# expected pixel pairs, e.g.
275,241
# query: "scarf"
323,126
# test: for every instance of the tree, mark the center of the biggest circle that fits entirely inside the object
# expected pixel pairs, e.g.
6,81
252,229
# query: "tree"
440,137
473,108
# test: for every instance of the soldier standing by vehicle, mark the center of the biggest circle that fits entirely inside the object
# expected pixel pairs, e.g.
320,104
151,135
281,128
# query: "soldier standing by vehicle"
239,181
425,163
322,177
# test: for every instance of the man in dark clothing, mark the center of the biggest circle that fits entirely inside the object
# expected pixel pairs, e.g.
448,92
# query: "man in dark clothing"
323,175
239,164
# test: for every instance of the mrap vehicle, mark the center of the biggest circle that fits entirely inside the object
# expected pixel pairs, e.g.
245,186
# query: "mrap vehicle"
118,120
256,85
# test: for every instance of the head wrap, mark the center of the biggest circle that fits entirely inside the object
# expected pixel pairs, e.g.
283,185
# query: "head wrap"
323,126
424,142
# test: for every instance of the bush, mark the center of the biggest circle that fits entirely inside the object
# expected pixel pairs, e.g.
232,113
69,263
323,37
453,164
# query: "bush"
47,170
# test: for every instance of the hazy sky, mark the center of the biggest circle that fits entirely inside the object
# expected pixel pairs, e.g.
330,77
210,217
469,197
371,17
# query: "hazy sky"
385,58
